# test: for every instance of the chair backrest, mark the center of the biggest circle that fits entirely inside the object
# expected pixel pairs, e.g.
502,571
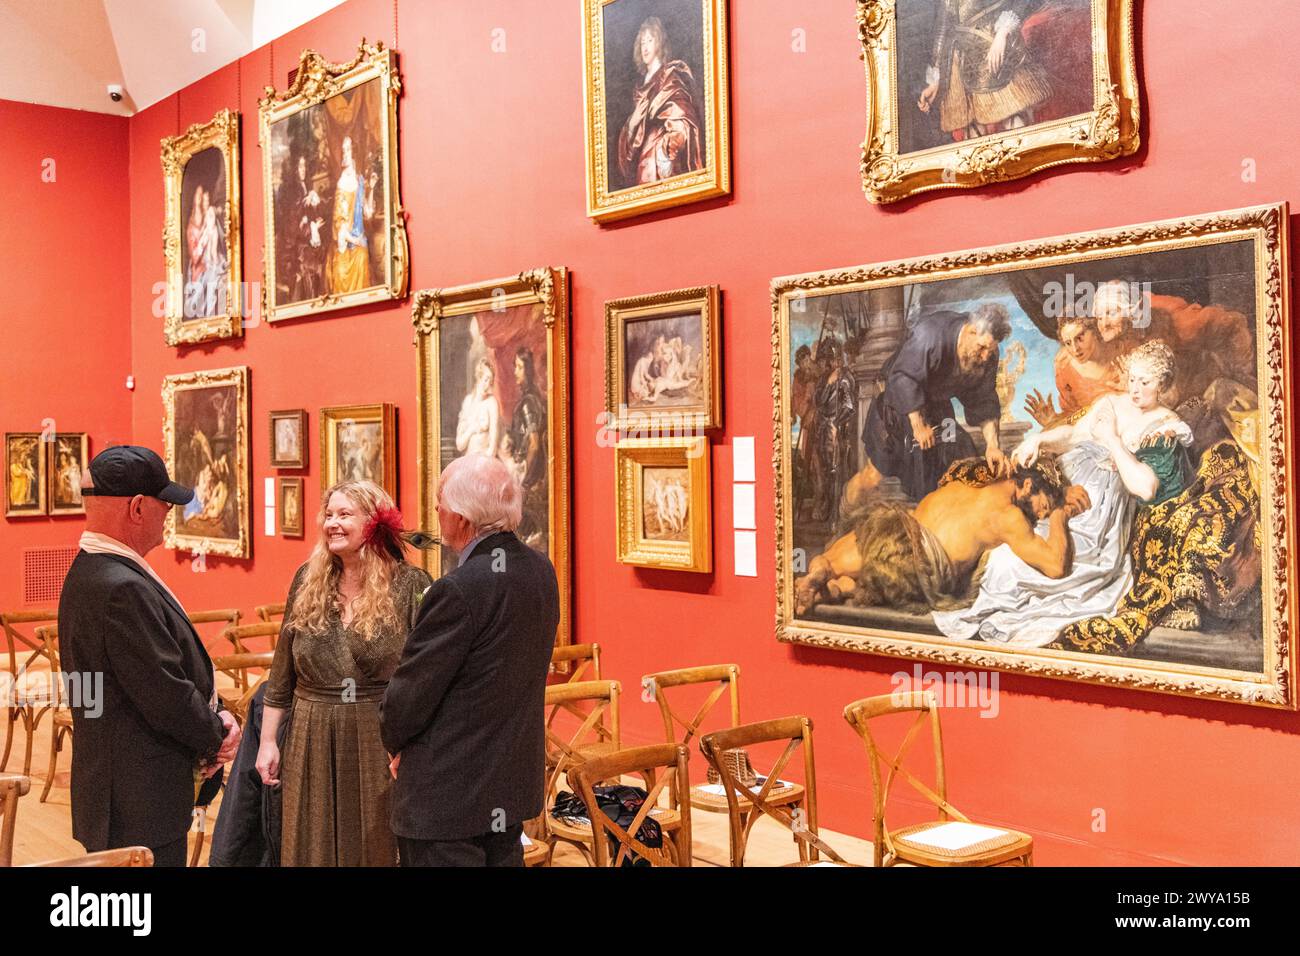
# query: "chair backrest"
680,729
269,612
660,766
12,786
795,732
586,656
226,617
859,714
563,751
48,635
24,649
123,856
241,635
237,667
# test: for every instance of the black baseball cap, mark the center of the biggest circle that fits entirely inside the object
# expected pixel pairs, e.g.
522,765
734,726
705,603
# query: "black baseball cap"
125,471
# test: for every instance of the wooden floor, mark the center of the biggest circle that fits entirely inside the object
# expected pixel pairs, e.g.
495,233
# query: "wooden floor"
44,830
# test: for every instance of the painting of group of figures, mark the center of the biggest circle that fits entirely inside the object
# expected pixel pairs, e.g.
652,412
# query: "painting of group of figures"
1074,468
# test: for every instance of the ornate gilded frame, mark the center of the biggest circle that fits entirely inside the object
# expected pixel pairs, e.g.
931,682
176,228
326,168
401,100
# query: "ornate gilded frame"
52,466
287,529
317,80
220,132
550,288
299,417
631,457
383,414
1109,131
42,476
238,376
686,419
1267,227
604,205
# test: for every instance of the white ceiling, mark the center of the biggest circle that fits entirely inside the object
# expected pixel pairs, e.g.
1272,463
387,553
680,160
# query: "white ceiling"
68,52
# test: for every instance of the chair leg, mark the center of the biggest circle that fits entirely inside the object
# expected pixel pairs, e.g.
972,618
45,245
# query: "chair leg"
56,744
31,734
11,715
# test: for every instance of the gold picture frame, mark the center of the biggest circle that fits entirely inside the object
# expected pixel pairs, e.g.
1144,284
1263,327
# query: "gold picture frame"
290,506
1247,656
664,484
463,335
297,419
26,477
331,107
202,305
64,495
693,86
206,447
359,441
684,398
900,157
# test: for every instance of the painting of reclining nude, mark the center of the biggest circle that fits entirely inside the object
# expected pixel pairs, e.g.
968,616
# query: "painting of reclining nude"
1075,469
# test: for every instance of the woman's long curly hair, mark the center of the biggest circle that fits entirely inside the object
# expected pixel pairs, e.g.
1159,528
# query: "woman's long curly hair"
318,597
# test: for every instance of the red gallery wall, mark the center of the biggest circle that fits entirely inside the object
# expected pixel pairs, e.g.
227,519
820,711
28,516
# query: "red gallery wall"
64,295
492,160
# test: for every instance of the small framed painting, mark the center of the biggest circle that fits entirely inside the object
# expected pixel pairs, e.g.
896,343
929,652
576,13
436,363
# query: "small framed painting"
289,438
359,441
664,516
68,460
289,494
25,475
663,372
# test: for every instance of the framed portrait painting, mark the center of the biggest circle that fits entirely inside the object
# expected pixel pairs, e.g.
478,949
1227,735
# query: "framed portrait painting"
25,474
69,458
656,103
1068,457
335,233
201,237
493,379
359,442
664,501
963,93
663,370
289,438
289,492
206,444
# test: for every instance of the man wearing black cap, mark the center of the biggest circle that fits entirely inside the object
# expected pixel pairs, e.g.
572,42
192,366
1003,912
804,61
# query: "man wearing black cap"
134,765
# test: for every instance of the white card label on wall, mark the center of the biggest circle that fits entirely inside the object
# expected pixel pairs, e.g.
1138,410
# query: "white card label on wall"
742,506
746,554
742,459
268,489
268,492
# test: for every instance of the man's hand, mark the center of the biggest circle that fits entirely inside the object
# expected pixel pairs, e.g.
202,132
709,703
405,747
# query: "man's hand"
924,435
927,97
230,745
1076,501
997,51
393,764
997,462
1041,408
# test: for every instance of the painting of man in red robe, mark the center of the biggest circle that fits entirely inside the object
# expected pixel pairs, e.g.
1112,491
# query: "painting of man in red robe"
662,135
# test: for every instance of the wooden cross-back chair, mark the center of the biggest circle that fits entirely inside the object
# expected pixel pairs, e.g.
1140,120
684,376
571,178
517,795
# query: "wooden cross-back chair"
29,694
746,805
12,787
662,767
269,612
966,844
241,636
564,753
586,656
133,856
237,667
61,719
226,617
680,729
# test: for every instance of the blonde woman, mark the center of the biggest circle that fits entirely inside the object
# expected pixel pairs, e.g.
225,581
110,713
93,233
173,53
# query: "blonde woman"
346,620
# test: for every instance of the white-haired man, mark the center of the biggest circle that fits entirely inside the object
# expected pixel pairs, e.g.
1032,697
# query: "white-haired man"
463,713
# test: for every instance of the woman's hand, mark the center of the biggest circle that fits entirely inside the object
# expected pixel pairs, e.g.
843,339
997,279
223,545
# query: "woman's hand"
1103,428
1026,453
927,97
1041,409
268,763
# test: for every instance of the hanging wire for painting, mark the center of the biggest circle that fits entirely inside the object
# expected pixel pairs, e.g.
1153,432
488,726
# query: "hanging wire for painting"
396,46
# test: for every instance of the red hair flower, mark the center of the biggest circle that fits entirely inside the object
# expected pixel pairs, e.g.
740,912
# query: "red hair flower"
384,531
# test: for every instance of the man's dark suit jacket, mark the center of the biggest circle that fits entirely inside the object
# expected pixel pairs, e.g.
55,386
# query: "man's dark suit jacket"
133,765
465,708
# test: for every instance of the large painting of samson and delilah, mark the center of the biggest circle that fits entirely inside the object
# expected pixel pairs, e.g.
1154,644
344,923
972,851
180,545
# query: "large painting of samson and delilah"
493,380
334,236
1067,457
968,92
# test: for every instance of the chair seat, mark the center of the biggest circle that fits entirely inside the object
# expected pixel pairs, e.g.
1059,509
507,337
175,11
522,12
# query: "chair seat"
63,718
965,847
32,689
781,795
